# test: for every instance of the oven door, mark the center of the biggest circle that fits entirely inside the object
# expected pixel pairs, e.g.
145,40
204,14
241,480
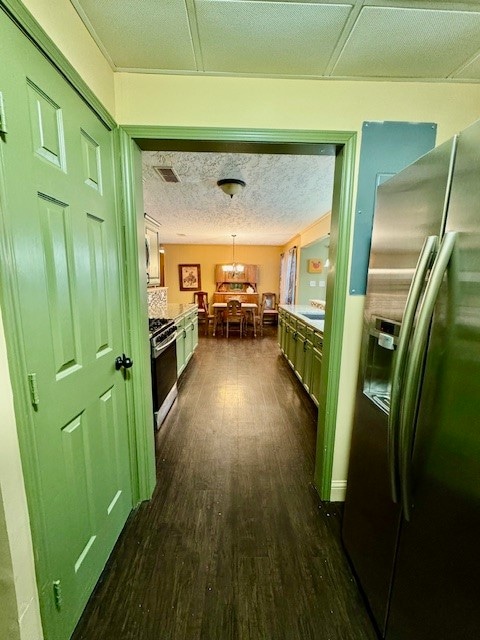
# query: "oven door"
164,378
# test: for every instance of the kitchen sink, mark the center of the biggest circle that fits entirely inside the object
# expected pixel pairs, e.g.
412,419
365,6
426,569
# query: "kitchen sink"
313,315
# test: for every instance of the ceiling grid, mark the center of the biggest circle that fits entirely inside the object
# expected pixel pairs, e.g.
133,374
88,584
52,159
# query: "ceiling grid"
351,40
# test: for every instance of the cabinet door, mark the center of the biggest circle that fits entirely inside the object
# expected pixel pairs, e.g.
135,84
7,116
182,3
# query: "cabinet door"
180,346
308,364
316,374
281,330
219,273
188,338
195,330
300,338
290,340
251,273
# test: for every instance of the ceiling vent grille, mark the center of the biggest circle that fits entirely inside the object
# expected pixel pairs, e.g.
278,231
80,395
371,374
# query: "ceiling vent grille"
167,174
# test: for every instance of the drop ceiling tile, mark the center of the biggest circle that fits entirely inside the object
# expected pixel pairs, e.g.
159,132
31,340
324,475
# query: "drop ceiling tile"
408,43
285,38
145,34
471,71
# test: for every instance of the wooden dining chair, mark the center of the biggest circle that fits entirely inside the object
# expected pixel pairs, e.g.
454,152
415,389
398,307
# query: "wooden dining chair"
234,315
200,298
269,308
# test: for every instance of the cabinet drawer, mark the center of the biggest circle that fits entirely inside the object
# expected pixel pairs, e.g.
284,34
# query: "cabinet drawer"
318,341
301,329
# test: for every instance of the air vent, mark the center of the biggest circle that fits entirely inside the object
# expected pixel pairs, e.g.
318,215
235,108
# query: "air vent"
167,174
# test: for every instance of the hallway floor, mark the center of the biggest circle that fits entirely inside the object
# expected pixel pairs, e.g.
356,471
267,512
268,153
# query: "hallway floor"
235,544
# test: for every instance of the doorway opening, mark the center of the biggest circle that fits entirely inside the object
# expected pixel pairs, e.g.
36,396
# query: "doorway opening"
134,140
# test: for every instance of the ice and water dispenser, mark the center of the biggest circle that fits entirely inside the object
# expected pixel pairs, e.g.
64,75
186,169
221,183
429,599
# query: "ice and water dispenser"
382,342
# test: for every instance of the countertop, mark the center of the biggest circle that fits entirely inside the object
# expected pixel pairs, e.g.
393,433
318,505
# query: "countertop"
174,311
298,310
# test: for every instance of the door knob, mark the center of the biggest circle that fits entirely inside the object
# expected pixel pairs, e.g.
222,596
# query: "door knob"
123,361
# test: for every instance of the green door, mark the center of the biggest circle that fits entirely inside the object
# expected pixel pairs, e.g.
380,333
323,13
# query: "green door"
60,215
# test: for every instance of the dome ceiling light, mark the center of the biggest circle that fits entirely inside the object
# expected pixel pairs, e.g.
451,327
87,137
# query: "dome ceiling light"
231,186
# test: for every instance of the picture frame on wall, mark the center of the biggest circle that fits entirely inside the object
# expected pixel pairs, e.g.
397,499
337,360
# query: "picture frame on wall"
314,265
189,277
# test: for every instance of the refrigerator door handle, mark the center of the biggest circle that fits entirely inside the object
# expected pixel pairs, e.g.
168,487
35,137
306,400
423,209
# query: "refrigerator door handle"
424,263
414,368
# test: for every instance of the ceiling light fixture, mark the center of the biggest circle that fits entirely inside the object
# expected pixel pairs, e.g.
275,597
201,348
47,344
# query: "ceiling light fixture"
231,186
233,268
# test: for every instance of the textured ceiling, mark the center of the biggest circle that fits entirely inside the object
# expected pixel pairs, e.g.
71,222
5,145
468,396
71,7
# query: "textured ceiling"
360,39
283,195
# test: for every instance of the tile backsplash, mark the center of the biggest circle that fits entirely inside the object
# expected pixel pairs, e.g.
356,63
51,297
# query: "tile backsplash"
157,302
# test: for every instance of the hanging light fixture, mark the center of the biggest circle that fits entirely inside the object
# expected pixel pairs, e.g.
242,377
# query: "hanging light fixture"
231,186
234,267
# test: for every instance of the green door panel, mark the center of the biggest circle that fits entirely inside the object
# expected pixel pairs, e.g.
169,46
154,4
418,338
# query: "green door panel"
60,216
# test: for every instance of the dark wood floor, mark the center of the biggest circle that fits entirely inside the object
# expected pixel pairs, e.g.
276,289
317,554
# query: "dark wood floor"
235,544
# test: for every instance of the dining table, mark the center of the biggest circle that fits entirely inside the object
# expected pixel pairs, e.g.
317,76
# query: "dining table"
250,308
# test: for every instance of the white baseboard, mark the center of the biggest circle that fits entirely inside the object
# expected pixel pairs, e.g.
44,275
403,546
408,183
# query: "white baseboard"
338,490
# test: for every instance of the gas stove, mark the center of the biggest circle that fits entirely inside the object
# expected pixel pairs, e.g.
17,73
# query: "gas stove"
160,330
163,335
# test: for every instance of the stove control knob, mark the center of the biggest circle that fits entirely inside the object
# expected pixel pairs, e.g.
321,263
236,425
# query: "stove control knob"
123,361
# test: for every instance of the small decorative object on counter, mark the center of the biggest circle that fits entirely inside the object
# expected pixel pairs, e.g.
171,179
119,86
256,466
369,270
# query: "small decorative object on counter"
317,303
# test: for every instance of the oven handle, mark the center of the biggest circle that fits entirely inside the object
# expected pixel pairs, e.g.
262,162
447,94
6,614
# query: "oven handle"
157,351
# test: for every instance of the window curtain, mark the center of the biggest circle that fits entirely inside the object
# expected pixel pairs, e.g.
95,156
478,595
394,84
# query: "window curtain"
288,272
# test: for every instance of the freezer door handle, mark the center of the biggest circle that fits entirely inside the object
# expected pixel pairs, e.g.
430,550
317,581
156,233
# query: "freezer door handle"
414,368
424,263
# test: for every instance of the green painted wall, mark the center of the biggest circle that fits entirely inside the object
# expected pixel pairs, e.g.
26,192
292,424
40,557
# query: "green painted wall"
305,291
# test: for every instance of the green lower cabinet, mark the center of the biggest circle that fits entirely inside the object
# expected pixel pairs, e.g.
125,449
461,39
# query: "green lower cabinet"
299,359
290,341
308,366
195,330
180,322
316,375
316,366
302,345
281,331
187,339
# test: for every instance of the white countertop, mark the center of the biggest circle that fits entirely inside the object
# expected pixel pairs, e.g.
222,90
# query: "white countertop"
298,310
173,311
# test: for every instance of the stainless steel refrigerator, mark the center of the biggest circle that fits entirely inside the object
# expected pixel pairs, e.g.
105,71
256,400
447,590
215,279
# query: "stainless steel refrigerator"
412,513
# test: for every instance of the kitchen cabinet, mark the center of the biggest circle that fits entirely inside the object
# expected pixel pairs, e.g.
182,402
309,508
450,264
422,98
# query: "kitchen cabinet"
299,357
248,276
281,329
316,368
302,345
187,337
308,366
225,296
291,326
239,286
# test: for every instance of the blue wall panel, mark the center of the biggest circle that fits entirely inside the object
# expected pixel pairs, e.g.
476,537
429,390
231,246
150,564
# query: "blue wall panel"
387,148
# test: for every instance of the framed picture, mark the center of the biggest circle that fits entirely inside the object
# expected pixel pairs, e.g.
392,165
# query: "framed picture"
189,276
314,265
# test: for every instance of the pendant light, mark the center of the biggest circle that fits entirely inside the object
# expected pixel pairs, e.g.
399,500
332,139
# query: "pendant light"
234,267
